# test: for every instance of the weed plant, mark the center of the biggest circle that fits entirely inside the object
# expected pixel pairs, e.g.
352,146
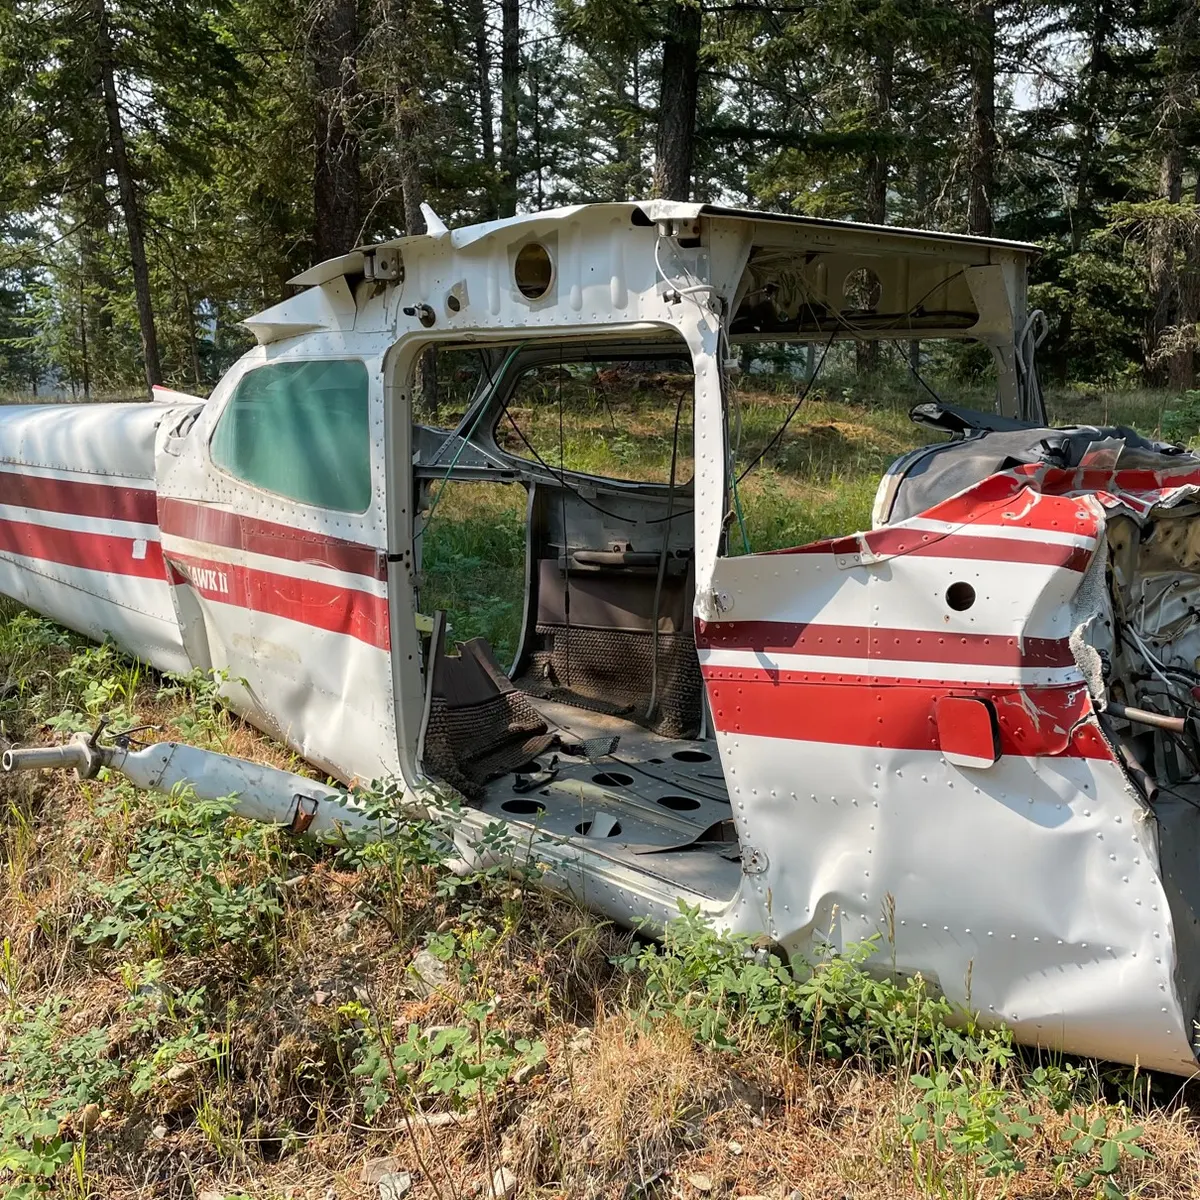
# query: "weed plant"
190,1001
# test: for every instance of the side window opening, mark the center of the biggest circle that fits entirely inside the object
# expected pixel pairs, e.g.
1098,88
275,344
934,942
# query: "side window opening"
301,430
816,475
553,540
473,562
617,418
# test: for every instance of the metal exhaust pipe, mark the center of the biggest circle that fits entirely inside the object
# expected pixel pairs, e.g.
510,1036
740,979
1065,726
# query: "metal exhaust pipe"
77,753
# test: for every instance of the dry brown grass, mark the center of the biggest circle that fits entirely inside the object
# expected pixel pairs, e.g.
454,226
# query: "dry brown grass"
626,1107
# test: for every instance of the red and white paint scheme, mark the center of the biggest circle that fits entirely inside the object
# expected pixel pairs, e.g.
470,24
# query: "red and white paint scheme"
971,730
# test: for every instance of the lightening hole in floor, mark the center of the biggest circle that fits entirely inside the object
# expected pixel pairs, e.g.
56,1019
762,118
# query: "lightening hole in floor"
584,826
679,803
612,779
523,807
691,756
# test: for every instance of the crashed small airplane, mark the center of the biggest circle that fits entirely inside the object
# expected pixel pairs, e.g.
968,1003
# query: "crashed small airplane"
974,727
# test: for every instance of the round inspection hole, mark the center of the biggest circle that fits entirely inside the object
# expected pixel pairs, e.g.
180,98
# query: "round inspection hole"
656,761
679,803
522,807
691,756
584,826
612,779
960,596
533,271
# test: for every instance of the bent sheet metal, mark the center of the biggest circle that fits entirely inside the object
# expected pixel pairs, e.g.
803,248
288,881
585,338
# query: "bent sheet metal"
971,729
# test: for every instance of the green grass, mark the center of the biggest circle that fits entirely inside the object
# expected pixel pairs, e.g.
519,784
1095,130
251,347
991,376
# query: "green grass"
819,481
191,1002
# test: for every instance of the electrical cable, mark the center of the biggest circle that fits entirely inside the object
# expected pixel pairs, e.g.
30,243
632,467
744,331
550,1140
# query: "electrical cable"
788,419
662,563
912,309
462,445
913,371
562,466
559,478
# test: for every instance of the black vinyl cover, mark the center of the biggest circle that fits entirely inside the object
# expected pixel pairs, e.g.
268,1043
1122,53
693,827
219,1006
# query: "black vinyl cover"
983,444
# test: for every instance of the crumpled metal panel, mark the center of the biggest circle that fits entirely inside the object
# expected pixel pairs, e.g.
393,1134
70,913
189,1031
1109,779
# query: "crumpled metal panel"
79,537
1029,890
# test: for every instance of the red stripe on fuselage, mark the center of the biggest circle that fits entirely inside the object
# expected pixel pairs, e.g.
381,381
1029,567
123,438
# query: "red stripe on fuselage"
804,707
324,606
895,645
889,543
219,527
92,551
112,502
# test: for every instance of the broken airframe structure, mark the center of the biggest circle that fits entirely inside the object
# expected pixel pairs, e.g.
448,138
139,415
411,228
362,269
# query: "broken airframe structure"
973,725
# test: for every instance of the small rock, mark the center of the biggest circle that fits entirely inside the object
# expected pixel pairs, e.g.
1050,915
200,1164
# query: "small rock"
503,1184
320,997
524,1074
441,1119
734,1147
374,1169
211,1195
427,973
394,1184
180,1071
702,1183
151,994
795,1194
89,1117
581,1043
158,1133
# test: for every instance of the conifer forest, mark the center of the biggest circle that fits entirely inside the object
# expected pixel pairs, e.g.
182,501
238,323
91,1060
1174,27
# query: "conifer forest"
165,168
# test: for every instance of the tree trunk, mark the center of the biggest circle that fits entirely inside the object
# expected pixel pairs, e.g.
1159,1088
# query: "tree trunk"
83,346
1172,238
411,184
189,317
1183,368
1166,344
129,202
878,168
981,181
677,99
413,188
332,49
1089,124
879,164
510,98
477,17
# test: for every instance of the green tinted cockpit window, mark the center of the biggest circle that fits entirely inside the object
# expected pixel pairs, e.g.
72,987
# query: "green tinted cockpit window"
301,430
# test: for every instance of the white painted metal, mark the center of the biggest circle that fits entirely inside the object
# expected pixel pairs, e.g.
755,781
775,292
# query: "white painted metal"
1029,888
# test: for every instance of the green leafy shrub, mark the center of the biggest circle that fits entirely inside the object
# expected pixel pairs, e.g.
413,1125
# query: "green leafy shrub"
195,881
1181,422
43,1057
462,1062
720,986
31,1149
